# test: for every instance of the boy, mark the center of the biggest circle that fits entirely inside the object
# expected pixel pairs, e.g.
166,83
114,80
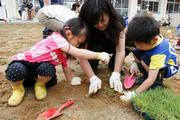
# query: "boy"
154,56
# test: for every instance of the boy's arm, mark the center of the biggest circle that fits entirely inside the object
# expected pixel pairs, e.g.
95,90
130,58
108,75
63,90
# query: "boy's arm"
152,75
143,87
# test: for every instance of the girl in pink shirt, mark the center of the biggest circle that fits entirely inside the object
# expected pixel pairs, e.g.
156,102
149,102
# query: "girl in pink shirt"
37,65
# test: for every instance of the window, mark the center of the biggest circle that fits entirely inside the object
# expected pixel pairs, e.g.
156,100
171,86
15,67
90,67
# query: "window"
121,7
149,5
173,6
177,8
170,0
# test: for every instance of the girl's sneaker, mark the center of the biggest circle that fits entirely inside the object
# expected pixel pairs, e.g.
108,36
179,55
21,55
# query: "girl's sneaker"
40,91
17,95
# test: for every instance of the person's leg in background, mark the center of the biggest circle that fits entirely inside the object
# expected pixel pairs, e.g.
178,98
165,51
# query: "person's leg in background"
57,2
41,3
61,2
177,47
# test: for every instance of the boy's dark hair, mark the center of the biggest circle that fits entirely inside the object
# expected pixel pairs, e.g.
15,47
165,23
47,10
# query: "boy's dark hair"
142,29
92,10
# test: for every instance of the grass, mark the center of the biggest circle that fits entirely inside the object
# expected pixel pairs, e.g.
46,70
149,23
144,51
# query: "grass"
160,104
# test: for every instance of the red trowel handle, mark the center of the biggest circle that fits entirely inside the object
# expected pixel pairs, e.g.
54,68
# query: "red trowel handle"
58,112
132,75
67,104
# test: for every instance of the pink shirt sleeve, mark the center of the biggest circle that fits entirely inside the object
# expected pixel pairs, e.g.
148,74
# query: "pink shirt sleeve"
57,41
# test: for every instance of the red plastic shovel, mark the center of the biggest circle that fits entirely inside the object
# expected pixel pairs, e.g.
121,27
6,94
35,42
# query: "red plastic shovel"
129,81
54,112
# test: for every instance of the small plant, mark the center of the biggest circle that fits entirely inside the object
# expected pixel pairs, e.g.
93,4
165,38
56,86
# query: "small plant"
160,104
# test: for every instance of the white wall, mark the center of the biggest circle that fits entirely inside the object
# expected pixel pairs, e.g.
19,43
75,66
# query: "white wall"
12,9
157,17
3,13
132,9
175,19
163,6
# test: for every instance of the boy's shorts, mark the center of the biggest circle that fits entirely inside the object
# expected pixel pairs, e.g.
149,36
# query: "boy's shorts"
27,71
168,70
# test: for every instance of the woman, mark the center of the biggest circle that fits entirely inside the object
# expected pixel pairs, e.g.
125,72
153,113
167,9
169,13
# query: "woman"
106,33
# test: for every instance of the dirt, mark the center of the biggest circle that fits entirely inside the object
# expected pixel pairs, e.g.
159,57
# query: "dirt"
105,105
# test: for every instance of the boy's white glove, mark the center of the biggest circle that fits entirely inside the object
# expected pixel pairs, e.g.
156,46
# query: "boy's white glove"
95,84
128,95
104,57
115,82
134,67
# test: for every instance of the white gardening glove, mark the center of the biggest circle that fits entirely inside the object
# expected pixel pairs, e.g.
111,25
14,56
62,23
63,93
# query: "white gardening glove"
95,84
115,82
104,57
134,68
128,95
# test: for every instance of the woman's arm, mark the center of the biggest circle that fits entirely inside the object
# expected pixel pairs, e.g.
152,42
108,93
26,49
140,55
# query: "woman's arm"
120,53
115,79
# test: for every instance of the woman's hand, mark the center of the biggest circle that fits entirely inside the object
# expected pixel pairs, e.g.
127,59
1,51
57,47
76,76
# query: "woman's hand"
95,84
115,82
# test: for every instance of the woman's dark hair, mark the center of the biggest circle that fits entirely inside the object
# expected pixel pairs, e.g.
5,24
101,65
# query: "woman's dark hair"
142,29
91,12
76,25
75,5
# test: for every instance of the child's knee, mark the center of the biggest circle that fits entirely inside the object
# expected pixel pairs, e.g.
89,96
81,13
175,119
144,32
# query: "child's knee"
16,72
46,69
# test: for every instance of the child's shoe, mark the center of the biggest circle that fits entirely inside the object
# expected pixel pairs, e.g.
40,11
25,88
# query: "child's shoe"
40,91
17,95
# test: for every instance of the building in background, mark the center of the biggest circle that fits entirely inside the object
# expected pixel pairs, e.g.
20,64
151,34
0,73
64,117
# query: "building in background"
3,14
160,9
